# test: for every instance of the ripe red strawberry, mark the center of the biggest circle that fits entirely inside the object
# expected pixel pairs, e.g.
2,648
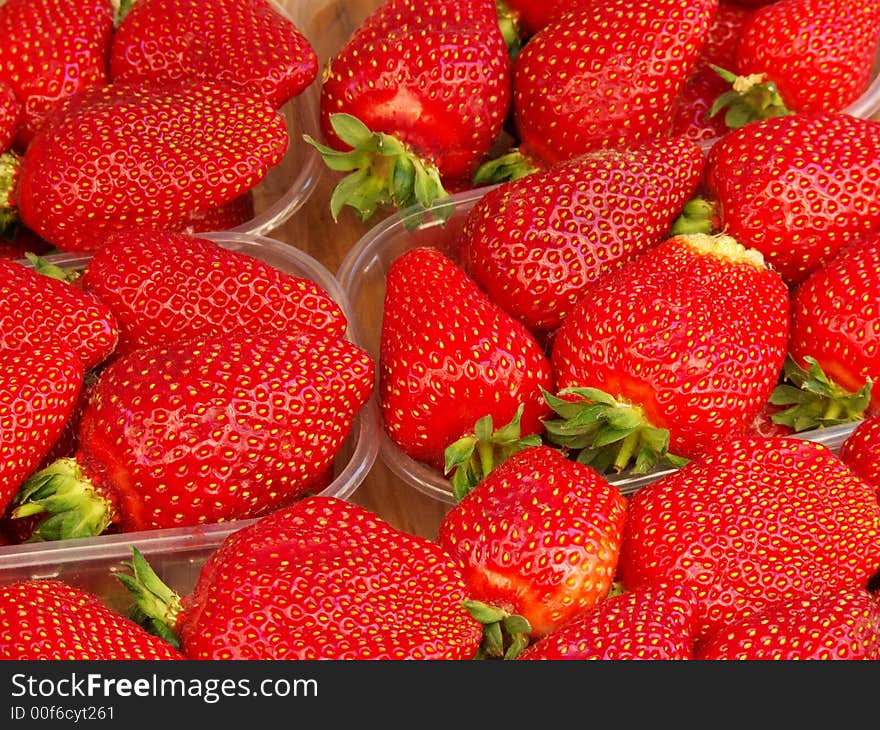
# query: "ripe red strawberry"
843,625
535,244
834,341
204,430
414,102
860,451
10,115
53,620
653,622
605,75
680,347
124,160
35,307
237,212
52,49
323,579
538,537
165,287
450,357
798,187
751,524
247,43
532,15
39,386
819,55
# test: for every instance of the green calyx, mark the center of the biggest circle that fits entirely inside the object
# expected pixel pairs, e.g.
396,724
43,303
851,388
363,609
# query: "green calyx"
508,22
470,459
751,98
812,400
698,216
47,268
156,605
505,635
384,172
507,167
68,499
10,163
607,434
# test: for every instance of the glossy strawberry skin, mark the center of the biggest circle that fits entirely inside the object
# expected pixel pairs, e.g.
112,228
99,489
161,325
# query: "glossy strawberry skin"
327,579
692,336
535,244
834,317
757,522
843,626
435,75
35,308
247,43
653,622
861,451
538,537
163,286
577,87
836,45
217,428
10,114
39,387
51,50
114,158
450,356
797,188
53,620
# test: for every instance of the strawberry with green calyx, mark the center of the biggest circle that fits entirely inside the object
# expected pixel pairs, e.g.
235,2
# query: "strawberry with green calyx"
684,342
247,43
434,77
203,430
750,98
538,539
322,579
449,357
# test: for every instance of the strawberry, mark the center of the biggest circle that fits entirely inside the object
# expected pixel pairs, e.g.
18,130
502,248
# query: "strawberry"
10,114
39,386
322,579
51,619
249,44
125,161
536,244
228,216
653,622
797,188
449,357
860,451
35,307
203,430
538,537
413,102
51,50
834,341
680,347
532,15
164,287
842,625
17,241
577,86
753,523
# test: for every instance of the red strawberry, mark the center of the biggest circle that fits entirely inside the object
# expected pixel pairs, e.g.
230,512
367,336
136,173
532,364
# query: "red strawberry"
323,579
124,160
606,74
17,241
860,451
247,43
50,619
164,287
237,212
39,386
10,114
532,15
680,347
450,357
538,537
414,102
535,244
35,307
204,430
797,188
752,524
834,341
52,49
844,625
653,622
